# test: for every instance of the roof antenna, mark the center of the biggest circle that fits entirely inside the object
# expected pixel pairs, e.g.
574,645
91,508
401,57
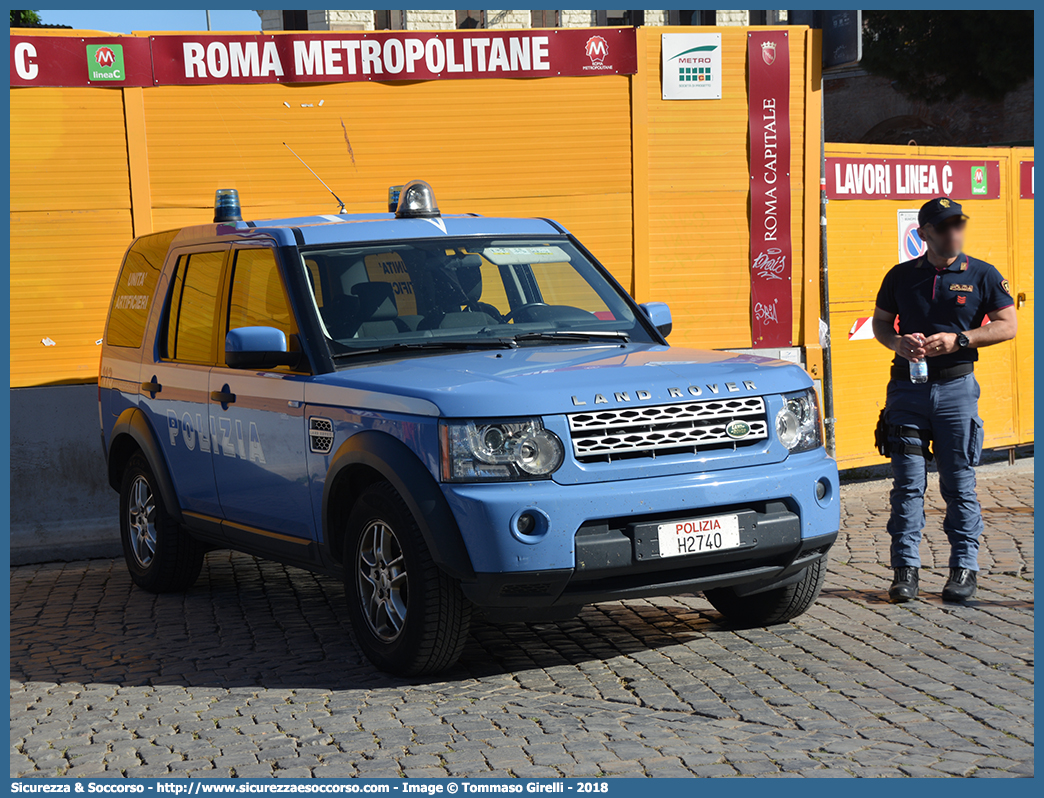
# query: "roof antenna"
306,166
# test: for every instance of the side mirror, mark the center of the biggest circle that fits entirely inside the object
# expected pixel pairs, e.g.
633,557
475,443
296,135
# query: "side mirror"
660,315
258,348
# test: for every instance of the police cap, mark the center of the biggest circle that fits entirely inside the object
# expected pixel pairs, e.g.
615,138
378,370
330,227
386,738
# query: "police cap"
937,210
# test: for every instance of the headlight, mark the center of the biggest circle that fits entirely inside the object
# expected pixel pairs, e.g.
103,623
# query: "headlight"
490,451
797,424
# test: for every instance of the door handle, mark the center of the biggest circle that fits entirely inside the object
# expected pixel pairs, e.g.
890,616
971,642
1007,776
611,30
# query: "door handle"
225,397
1020,300
151,387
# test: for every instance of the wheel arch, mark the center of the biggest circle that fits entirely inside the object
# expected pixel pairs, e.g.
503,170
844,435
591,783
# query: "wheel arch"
132,433
371,456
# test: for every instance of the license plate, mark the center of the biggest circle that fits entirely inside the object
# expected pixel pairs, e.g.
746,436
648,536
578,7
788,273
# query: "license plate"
699,535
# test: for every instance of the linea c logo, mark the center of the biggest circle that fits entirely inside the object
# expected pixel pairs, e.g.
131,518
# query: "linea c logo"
105,62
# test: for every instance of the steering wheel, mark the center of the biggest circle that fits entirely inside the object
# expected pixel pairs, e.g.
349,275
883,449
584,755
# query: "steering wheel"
509,315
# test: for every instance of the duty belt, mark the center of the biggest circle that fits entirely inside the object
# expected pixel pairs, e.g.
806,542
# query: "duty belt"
935,375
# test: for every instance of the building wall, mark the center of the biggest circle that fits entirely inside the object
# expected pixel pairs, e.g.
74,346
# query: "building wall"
349,20
508,19
733,17
864,108
271,20
431,20
446,20
578,19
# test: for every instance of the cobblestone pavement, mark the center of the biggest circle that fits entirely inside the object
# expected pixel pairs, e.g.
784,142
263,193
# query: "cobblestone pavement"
254,673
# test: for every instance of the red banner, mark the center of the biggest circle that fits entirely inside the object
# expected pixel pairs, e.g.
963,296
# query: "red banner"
768,110
111,61
911,179
1026,179
322,58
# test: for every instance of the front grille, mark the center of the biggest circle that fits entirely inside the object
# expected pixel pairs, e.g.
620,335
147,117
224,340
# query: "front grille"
320,434
607,435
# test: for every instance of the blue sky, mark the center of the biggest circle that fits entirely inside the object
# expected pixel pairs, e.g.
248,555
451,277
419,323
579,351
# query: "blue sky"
125,21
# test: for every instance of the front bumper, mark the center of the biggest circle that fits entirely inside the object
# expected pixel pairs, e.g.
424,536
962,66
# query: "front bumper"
585,551
522,593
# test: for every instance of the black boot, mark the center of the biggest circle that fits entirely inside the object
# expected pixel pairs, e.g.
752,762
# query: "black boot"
904,586
961,585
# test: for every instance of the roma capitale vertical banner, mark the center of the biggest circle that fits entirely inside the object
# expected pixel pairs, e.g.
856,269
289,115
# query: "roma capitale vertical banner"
771,255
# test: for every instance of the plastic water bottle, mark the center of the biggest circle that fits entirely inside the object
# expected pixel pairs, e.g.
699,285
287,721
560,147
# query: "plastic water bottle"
919,370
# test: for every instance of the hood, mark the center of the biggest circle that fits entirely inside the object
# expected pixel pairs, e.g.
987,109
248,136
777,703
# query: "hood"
550,380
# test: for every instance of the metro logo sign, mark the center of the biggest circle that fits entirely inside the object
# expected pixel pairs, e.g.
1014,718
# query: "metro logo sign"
105,56
105,62
596,50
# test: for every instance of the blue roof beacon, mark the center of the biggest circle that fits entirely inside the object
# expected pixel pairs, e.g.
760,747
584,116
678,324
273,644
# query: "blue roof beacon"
454,414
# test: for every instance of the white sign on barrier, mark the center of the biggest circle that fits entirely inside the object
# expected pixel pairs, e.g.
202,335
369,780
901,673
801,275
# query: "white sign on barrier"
910,244
691,66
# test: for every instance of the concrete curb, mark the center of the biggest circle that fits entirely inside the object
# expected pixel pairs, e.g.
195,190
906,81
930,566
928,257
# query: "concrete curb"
66,541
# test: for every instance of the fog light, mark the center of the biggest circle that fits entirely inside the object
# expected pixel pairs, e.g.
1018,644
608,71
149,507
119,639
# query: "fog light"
824,491
525,524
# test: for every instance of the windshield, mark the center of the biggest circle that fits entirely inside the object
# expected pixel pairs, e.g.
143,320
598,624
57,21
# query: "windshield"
468,292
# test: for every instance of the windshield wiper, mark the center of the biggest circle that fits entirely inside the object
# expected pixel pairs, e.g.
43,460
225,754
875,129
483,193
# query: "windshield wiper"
482,343
573,335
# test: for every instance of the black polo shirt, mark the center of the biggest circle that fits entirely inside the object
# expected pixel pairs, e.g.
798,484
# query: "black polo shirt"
955,299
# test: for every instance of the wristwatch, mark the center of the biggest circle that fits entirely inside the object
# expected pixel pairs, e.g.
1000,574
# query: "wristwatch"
962,341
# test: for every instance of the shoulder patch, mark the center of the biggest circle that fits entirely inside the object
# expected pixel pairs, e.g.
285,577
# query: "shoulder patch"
1006,287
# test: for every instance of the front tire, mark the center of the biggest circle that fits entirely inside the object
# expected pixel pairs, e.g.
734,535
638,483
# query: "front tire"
770,607
160,555
409,617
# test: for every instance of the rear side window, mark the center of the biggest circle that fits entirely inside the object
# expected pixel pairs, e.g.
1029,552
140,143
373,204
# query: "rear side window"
134,289
193,307
257,297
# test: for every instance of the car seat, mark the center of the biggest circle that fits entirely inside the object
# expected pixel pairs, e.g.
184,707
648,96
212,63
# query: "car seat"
457,286
377,313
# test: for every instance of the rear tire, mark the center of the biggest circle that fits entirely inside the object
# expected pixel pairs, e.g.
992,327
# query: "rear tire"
409,616
778,605
160,555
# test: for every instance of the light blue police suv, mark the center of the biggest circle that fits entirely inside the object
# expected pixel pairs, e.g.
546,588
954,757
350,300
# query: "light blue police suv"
455,415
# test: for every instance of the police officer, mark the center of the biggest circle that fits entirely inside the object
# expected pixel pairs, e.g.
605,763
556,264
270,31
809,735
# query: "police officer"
941,299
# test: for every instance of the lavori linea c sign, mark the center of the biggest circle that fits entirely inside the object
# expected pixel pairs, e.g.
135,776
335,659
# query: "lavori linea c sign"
911,178
768,110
